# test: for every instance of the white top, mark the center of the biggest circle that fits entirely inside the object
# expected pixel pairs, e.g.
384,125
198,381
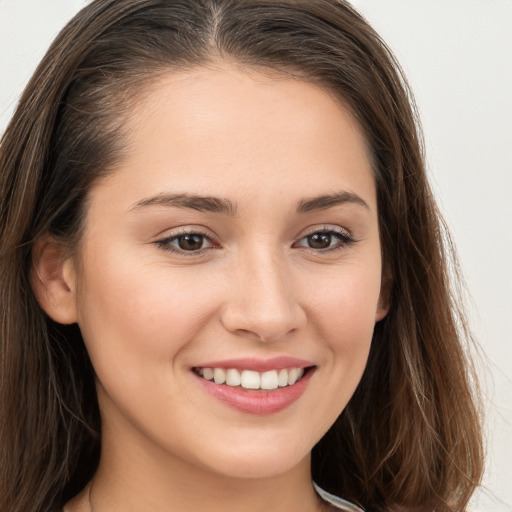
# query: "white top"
337,502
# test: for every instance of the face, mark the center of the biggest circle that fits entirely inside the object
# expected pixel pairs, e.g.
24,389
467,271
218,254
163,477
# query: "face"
237,239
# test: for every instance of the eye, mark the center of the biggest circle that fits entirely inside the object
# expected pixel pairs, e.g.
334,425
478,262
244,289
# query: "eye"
325,240
191,243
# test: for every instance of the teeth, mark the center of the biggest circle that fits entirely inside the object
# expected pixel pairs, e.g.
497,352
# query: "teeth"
292,376
269,380
219,376
208,373
249,379
233,378
282,380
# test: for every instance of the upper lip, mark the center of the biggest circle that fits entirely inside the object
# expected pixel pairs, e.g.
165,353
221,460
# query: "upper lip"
258,365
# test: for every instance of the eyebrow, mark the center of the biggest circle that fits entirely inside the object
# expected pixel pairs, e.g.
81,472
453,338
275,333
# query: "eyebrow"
227,207
328,201
192,202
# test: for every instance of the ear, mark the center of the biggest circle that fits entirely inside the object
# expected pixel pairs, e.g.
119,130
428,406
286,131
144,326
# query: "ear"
386,286
54,280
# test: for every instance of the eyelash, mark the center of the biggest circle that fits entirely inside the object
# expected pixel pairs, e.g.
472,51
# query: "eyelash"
343,237
165,243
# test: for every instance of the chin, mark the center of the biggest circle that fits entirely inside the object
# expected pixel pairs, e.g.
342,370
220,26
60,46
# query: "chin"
262,461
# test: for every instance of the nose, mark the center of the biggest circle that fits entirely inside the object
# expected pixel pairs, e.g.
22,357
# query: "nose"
262,301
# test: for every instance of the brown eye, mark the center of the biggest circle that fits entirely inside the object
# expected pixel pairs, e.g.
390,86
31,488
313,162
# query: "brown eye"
326,240
191,242
186,243
320,240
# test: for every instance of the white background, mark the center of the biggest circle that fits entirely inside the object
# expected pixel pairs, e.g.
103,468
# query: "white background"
457,55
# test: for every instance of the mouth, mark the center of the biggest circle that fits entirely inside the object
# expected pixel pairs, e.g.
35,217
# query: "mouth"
251,379
256,387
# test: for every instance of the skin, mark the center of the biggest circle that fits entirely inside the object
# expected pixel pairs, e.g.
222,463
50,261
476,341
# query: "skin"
149,315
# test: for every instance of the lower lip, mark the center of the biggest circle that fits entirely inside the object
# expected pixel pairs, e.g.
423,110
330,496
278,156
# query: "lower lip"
259,401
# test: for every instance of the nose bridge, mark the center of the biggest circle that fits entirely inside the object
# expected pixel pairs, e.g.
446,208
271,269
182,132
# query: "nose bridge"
264,303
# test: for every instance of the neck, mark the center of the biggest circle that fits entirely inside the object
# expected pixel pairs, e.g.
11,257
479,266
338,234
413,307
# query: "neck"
133,477
189,490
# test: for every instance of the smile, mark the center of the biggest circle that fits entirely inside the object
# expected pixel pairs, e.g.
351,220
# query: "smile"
256,386
250,379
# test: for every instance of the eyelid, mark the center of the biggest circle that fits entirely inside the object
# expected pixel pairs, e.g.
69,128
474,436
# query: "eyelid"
164,242
345,237
325,228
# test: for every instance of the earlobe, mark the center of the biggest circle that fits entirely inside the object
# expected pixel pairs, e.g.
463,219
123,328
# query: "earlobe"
382,309
384,302
54,280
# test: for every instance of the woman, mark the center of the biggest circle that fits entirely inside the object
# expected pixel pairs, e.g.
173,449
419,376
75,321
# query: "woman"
223,272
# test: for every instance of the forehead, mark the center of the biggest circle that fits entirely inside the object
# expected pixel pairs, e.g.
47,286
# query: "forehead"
228,131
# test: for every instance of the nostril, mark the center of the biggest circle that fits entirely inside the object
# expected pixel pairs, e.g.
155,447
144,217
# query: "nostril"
263,305
263,326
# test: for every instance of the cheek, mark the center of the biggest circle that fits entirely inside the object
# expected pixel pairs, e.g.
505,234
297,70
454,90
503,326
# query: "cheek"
343,315
347,304
131,314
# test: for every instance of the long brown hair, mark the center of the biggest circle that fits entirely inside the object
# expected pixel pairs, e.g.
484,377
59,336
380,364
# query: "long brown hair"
410,435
